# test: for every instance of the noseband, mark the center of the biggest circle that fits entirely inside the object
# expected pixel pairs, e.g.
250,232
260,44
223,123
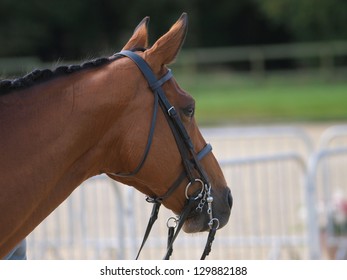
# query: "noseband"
190,159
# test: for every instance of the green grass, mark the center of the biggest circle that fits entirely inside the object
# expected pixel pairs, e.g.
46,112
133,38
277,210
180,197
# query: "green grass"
221,99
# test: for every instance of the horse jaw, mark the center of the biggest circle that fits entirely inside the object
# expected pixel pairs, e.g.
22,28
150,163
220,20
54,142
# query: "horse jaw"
196,224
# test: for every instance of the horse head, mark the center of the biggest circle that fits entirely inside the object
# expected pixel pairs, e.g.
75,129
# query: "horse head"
149,157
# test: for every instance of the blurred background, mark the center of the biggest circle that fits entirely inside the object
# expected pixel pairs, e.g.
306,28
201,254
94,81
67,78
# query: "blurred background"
264,60
269,78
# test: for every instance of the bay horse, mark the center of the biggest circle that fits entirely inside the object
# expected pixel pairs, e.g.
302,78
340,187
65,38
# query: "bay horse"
60,127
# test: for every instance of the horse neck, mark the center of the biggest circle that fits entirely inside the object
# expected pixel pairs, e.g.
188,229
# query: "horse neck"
57,120
51,138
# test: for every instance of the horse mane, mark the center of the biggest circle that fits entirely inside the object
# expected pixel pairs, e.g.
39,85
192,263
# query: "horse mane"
41,75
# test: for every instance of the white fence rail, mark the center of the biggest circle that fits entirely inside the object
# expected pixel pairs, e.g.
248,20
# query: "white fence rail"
281,190
329,56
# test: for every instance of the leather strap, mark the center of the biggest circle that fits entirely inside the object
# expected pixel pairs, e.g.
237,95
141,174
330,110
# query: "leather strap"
184,215
157,203
152,219
209,242
154,85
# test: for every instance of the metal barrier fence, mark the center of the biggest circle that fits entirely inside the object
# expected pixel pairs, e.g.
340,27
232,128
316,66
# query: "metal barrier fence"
327,179
275,199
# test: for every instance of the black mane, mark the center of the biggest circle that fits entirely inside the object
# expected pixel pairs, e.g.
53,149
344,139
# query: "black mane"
38,76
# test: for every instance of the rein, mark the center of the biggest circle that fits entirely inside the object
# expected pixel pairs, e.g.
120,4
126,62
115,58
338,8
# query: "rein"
190,159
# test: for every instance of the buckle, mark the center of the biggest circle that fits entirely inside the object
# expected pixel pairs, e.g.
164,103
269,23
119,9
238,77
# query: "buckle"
153,199
171,111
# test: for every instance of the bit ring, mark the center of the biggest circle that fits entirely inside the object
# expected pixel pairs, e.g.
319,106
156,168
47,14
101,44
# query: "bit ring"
173,221
211,222
200,193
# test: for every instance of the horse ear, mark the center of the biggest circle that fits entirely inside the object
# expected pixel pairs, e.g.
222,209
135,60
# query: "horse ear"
166,48
139,39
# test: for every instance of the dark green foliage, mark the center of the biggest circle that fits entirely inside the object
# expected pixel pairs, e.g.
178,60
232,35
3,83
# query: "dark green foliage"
76,29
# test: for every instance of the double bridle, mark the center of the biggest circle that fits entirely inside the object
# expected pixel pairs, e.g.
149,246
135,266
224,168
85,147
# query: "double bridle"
190,159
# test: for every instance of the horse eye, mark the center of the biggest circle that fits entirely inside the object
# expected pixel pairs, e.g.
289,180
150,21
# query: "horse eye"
189,112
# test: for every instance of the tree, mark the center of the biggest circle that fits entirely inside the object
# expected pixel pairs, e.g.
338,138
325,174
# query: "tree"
77,29
309,19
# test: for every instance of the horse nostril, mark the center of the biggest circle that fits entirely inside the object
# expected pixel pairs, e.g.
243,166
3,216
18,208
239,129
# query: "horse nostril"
230,199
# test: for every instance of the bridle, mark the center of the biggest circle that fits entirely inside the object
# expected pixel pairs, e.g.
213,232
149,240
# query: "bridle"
190,159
